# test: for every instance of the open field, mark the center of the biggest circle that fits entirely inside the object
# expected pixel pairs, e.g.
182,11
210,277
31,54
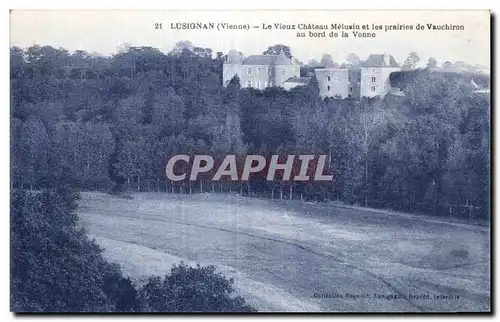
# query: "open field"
283,254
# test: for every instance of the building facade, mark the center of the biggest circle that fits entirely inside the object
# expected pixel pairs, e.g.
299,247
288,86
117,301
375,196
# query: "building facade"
375,73
338,82
333,82
372,79
260,71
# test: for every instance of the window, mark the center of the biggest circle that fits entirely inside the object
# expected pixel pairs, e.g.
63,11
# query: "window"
259,70
249,84
327,78
258,84
349,95
336,79
373,79
328,88
350,88
269,71
283,71
373,88
270,84
249,71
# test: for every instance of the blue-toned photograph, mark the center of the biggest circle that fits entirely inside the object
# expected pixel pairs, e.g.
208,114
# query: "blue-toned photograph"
250,161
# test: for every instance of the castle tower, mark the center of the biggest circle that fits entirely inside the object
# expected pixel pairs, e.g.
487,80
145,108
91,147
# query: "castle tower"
232,66
284,69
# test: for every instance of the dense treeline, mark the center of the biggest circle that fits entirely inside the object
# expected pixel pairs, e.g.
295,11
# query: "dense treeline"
112,123
56,268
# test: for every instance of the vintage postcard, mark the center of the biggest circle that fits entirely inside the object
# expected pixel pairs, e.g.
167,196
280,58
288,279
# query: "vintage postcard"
250,161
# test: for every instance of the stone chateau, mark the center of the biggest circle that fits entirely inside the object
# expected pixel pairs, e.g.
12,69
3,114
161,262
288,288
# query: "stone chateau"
261,71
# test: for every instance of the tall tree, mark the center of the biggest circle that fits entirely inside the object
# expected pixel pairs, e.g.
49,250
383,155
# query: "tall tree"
411,61
432,62
327,61
353,59
277,49
313,63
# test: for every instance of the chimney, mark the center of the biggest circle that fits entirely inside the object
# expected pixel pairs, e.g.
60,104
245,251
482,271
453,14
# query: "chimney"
387,59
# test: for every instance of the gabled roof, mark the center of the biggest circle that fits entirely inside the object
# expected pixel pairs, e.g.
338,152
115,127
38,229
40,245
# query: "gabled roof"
299,80
380,60
280,59
259,60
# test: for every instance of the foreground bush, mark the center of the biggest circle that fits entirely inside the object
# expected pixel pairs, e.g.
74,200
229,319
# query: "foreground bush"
189,289
56,268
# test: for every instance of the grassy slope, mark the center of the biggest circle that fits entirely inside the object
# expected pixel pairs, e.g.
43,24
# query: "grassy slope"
283,252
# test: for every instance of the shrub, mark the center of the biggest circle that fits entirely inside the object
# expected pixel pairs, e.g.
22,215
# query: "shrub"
121,291
189,289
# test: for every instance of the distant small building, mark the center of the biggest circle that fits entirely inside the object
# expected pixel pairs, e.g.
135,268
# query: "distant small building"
259,71
396,91
293,82
375,73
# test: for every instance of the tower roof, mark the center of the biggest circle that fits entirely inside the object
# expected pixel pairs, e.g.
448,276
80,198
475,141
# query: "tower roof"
280,59
380,60
234,57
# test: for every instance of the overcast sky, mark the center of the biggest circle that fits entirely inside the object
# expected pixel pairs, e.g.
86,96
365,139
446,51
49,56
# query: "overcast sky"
104,31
